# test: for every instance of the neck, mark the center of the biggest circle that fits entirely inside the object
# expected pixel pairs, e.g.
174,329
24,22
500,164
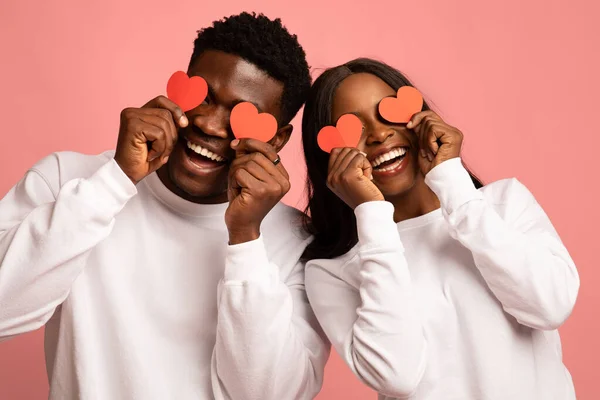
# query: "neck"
417,201
163,174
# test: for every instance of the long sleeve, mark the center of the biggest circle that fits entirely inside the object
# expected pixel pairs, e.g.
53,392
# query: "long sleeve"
269,345
46,233
374,325
520,255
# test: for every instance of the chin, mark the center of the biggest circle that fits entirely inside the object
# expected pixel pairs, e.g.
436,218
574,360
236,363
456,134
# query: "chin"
196,188
396,190
400,185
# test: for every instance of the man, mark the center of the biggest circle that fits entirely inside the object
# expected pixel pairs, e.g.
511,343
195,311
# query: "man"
144,292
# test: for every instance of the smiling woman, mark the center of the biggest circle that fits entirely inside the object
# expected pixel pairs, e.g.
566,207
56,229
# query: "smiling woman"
428,284
332,221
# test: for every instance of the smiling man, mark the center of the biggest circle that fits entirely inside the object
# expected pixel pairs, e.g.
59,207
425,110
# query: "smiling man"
168,269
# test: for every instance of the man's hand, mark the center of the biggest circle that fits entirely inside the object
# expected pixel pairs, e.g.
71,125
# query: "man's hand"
147,136
257,182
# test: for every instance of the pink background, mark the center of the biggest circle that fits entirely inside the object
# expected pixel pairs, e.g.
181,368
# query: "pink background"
519,78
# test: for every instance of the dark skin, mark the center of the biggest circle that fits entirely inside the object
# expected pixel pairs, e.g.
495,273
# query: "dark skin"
154,138
428,139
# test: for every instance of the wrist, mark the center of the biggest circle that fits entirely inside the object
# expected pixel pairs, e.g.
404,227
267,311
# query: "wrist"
452,185
129,175
365,201
243,234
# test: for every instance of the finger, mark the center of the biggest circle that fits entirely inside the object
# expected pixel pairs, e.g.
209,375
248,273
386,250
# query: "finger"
233,187
435,132
418,117
433,129
244,180
335,168
421,130
333,156
168,124
232,193
162,118
446,133
177,113
275,184
148,134
278,171
157,163
345,162
252,146
259,172
246,146
360,161
164,141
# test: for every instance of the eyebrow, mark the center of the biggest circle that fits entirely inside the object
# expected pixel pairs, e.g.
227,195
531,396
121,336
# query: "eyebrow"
234,103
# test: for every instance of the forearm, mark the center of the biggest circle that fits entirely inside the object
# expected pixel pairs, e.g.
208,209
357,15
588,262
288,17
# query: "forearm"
522,260
42,254
387,349
265,348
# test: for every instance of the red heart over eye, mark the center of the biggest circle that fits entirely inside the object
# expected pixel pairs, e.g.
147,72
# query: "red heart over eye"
346,133
400,109
246,122
188,93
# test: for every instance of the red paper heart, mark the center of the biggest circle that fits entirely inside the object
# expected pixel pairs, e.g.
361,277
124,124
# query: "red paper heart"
188,93
400,109
247,123
346,133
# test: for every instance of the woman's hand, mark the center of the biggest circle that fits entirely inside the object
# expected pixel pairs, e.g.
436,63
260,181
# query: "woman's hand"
351,177
438,141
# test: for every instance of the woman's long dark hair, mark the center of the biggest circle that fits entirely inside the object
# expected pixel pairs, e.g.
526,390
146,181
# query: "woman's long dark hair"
327,217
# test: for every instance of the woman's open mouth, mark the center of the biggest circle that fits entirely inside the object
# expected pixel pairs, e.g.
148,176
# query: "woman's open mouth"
390,162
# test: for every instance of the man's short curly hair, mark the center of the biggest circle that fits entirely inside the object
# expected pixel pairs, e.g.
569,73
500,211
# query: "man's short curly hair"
268,45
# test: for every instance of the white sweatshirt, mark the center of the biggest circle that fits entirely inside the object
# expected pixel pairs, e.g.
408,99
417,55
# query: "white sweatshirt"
141,295
462,303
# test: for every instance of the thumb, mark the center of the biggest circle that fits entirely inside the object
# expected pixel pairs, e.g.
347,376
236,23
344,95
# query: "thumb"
366,168
232,193
157,162
416,119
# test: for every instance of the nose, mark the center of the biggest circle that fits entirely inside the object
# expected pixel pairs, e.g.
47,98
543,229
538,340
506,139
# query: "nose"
378,133
213,123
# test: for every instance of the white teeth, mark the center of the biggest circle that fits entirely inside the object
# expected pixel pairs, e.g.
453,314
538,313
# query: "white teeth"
204,152
390,155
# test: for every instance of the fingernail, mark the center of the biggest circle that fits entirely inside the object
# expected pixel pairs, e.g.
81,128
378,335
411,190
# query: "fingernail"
423,154
429,157
183,121
363,153
165,159
235,142
409,125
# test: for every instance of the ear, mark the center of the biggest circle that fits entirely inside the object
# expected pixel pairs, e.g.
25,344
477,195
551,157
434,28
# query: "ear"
281,137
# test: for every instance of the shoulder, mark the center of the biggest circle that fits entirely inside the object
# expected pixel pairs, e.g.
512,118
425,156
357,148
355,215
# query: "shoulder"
342,268
510,199
283,234
506,191
285,221
61,167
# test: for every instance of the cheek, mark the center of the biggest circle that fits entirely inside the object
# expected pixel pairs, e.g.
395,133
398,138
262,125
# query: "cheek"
362,144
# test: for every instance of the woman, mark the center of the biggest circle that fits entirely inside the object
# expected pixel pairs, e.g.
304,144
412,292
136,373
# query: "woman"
428,285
